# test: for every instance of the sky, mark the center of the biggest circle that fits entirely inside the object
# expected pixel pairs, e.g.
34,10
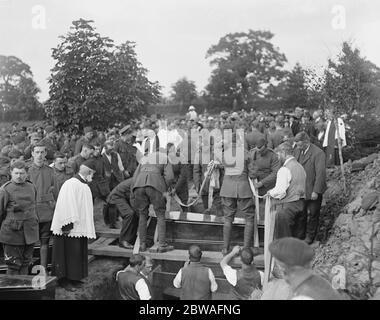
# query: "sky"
173,36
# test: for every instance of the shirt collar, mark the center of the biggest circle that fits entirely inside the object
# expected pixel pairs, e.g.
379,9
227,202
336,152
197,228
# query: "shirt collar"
83,178
304,152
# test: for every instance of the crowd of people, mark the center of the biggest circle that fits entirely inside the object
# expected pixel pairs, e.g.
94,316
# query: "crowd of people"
50,180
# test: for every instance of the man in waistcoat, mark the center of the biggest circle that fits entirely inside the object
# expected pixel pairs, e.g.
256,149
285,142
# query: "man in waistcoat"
196,281
289,193
131,282
244,280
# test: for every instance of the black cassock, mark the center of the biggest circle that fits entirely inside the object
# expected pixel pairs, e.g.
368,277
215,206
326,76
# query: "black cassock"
70,254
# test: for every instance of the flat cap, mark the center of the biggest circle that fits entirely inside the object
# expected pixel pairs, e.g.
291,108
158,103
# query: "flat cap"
15,154
4,161
292,251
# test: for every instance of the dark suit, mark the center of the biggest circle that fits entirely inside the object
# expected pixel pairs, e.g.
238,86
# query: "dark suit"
314,164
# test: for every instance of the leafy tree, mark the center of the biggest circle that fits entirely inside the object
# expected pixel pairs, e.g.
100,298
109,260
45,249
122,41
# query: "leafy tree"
352,81
245,65
18,91
95,83
184,92
296,93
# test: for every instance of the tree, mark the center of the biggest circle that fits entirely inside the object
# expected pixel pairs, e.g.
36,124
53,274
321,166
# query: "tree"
184,92
95,83
18,91
246,64
352,81
296,93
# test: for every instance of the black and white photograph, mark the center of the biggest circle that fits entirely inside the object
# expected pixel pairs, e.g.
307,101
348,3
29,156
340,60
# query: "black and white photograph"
189,153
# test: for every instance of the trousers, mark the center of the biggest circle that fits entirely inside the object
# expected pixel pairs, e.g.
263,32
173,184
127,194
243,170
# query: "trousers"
289,219
145,196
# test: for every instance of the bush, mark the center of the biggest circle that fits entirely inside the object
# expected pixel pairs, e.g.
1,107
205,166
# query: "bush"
363,137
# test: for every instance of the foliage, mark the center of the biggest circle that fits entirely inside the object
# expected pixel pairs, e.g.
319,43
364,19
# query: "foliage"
363,136
245,65
184,92
296,92
95,82
18,91
352,82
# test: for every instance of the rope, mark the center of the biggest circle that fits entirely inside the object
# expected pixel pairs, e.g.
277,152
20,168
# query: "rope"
210,168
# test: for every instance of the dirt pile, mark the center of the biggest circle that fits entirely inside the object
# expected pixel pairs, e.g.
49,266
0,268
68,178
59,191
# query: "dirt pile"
350,225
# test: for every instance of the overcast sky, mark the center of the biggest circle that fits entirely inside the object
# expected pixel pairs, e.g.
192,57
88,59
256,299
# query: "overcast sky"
173,36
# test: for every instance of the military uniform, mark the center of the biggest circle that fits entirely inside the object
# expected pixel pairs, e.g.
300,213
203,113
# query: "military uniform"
19,225
263,166
151,180
237,195
44,180
120,197
51,148
60,177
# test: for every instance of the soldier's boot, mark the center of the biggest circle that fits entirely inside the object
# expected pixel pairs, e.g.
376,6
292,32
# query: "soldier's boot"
227,227
163,246
248,234
24,269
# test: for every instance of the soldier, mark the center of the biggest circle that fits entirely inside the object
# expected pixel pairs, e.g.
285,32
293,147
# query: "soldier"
75,162
42,176
263,165
18,219
153,178
50,143
34,139
236,194
120,197
180,171
59,167
199,171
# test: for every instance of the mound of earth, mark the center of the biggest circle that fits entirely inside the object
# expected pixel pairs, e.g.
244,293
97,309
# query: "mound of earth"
349,234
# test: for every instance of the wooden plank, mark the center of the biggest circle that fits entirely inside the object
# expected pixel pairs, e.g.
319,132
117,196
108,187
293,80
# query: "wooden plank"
174,255
101,242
